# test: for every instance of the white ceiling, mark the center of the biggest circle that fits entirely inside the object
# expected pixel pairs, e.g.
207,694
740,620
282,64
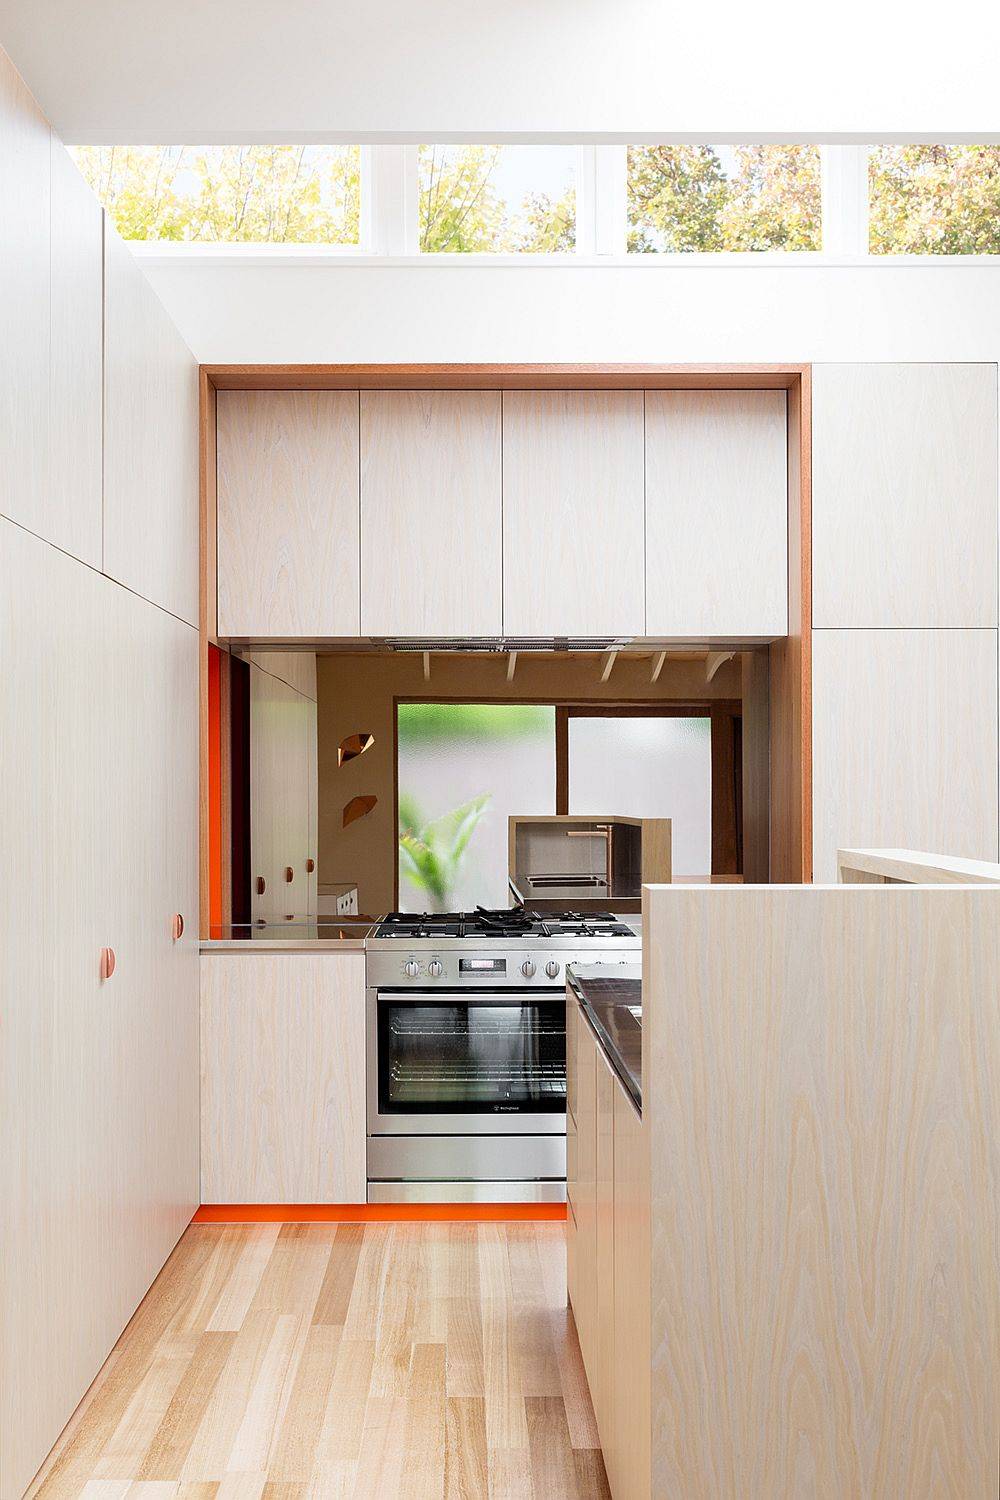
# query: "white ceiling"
198,71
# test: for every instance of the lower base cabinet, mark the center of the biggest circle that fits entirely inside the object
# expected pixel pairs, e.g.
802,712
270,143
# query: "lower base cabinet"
283,1078
608,1256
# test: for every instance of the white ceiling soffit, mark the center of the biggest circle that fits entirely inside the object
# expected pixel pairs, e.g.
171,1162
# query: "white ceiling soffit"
204,71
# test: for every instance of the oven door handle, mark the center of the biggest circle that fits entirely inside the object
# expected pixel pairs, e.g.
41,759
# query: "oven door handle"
510,996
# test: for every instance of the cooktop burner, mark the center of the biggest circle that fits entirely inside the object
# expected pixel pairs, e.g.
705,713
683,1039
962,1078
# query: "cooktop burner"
514,922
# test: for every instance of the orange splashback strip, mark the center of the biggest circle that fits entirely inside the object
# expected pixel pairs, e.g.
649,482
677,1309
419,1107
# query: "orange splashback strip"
377,1213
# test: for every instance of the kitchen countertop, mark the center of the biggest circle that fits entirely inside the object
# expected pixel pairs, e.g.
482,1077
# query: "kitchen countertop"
344,935
606,996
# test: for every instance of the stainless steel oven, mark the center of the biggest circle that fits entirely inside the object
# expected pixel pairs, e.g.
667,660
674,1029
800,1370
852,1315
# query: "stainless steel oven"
466,1081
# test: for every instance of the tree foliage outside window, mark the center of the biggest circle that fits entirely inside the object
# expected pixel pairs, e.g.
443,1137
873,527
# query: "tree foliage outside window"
477,199
709,198
253,194
934,200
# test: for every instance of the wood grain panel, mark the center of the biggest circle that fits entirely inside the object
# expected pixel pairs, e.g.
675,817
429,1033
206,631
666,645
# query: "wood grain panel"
605,1370
98,1081
628,1462
905,495
297,668
430,513
582,1191
825,1191
283,1078
716,513
288,513
24,303
505,377
151,441
73,510
281,730
573,513
905,742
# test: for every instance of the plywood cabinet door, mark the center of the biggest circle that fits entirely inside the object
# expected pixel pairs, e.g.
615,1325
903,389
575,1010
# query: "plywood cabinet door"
581,1187
904,502
151,502
430,513
629,1471
281,726
283,1078
716,513
904,743
73,516
573,513
288,520
603,1382
24,303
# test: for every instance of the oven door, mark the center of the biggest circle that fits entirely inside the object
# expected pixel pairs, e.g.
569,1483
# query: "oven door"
472,1062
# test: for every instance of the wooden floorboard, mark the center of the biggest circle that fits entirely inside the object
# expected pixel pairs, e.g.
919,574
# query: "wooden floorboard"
380,1361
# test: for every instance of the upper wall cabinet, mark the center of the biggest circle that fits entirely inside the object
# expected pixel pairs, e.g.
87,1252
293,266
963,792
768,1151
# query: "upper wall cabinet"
430,513
73,513
24,304
151,501
288,513
716,513
573,513
904,495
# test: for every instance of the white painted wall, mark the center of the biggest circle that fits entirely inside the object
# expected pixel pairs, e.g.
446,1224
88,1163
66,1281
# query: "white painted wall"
261,312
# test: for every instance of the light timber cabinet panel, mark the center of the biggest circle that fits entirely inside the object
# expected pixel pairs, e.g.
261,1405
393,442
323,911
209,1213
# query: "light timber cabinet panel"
630,1456
72,515
716,513
573,513
24,303
604,1363
283,1078
151,502
288,520
281,724
430,513
825,1191
581,1184
904,742
904,507
98,1081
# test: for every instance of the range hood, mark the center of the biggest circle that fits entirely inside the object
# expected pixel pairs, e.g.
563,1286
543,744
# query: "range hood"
502,643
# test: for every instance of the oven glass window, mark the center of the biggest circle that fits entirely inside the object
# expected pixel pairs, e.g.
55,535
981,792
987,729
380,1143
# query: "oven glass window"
485,1058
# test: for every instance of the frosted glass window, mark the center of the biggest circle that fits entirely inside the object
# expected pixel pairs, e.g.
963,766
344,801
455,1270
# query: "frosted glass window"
464,768
647,767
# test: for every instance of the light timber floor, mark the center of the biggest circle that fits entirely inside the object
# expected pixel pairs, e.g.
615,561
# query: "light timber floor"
401,1361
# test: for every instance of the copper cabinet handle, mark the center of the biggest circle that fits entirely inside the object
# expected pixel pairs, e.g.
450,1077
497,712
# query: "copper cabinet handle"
177,926
310,866
261,885
107,962
289,874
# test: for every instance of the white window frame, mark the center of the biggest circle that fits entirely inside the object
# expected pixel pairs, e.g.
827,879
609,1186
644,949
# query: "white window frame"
389,231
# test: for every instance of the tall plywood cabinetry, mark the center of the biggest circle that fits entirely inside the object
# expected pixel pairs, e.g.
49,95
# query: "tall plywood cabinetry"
98,795
905,749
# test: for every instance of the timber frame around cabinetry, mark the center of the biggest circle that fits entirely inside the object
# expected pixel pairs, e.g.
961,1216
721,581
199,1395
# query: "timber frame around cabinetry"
791,658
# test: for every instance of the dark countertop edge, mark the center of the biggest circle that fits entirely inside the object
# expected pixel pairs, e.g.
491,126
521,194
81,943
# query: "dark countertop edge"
606,1044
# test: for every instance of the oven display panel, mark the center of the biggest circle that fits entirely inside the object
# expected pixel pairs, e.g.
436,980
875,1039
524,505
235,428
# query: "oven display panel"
482,966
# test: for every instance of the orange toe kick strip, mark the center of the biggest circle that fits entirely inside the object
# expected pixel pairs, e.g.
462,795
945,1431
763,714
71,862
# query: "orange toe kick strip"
378,1213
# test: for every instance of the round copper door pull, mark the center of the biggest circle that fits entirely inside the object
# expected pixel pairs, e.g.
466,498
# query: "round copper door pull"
310,866
107,962
261,885
289,874
177,926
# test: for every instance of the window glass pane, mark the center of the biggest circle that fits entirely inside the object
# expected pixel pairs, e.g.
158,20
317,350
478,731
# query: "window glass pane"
503,199
684,198
645,767
934,200
463,769
254,194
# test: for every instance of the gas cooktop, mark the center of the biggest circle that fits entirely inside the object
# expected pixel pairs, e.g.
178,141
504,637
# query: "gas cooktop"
515,922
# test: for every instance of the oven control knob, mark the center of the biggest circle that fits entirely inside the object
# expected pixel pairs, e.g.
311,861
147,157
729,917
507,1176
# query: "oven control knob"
527,968
552,969
411,968
435,969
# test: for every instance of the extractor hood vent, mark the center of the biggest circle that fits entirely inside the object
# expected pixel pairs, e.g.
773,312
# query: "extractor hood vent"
505,643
